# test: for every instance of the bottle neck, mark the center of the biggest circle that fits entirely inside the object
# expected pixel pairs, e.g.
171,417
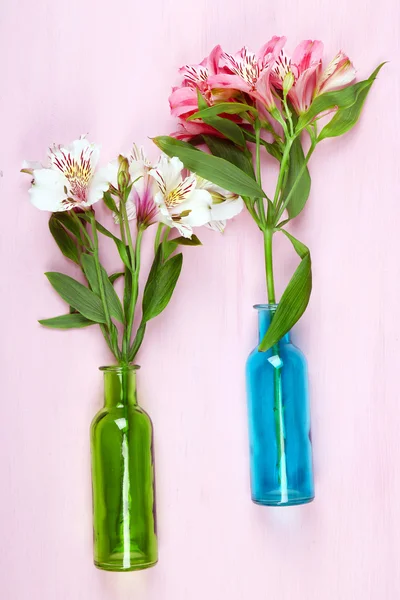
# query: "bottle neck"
119,386
265,314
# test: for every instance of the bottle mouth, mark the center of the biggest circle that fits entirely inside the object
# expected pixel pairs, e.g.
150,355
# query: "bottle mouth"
271,307
119,368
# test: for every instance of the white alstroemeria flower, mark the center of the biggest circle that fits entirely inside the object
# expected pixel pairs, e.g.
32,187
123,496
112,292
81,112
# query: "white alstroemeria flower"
180,203
70,180
224,205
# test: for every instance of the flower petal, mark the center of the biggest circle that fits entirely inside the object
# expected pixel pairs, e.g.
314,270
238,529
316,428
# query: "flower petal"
218,226
199,206
263,91
184,229
271,50
227,80
307,53
100,183
301,94
49,190
226,210
183,101
213,60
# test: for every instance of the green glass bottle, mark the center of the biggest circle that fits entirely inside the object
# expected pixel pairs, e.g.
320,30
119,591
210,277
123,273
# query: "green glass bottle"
124,515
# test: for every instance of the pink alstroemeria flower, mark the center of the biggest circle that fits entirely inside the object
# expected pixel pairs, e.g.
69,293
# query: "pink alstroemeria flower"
309,78
183,100
339,73
140,205
304,65
143,200
250,73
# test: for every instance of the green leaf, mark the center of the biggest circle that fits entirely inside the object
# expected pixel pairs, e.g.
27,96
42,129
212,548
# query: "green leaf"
346,118
294,300
192,241
69,223
338,98
229,129
171,245
127,291
228,151
77,295
201,101
300,248
120,245
70,321
113,278
63,240
300,196
272,149
113,302
228,108
160,284
110,202
214,169
159,288
137,341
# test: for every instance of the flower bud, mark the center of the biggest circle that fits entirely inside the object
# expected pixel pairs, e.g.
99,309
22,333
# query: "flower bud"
123,172
288,82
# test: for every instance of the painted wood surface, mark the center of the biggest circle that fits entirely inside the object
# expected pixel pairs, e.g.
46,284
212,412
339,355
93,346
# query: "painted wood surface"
107,68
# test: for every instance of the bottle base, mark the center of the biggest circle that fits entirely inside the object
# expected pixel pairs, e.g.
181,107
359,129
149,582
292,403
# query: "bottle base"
120,567
276,498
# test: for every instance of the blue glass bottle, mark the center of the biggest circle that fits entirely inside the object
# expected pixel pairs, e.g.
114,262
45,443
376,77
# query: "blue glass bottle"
281,470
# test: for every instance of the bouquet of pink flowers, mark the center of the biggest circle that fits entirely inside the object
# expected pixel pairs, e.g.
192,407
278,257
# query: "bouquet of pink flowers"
267,101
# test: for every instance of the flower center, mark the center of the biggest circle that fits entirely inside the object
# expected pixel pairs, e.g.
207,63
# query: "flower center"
245,66
78,172
195,75
282,66
178,195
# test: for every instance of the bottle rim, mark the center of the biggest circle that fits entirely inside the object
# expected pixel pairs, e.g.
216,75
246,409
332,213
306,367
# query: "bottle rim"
271,306
119,368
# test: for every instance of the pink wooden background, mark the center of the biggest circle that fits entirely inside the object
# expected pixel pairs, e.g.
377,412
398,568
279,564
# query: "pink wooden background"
106,68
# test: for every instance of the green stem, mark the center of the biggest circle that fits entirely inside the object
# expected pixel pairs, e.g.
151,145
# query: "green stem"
82,228
277,376
249,205
282,170
260,201
113,342
122,229
269,268
124,218
126,232
268,127
107,337
278,400
288,114
135,292
280,430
